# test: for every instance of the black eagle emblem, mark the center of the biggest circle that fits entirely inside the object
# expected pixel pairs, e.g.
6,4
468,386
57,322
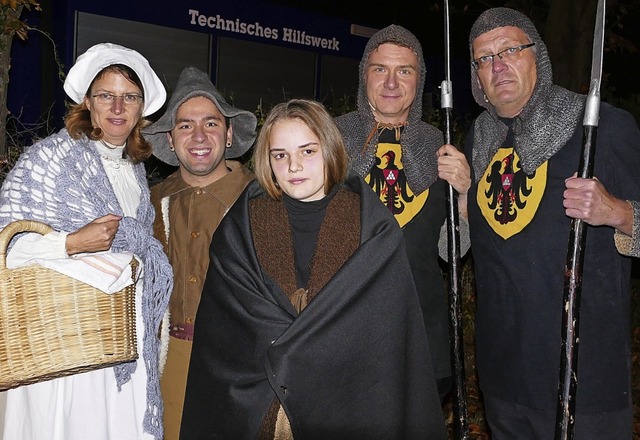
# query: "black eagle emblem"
506,190
390,184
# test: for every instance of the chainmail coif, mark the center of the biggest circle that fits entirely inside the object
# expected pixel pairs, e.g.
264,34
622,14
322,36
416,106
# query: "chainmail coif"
419,140
546,122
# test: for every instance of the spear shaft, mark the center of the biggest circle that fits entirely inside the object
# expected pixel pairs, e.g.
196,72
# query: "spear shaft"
460,427
565,415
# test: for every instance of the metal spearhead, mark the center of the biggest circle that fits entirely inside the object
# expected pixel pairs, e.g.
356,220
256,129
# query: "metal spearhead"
446,89
592,107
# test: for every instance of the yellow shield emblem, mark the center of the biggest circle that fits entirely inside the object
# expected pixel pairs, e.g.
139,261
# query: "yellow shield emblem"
388,181
508,198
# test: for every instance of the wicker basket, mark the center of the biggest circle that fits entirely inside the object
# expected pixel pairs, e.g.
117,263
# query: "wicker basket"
52,325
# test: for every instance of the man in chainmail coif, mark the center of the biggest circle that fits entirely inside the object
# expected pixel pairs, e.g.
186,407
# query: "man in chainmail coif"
524,150
404,161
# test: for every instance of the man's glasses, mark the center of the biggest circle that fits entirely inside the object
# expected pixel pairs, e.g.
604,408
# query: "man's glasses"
127,98
509,54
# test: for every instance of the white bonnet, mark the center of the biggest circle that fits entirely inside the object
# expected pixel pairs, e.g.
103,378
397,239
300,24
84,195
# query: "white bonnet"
102,55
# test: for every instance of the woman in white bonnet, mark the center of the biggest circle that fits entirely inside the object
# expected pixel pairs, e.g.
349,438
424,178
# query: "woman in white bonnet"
89,183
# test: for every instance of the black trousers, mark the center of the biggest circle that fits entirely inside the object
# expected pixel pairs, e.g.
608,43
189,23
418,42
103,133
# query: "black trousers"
510,421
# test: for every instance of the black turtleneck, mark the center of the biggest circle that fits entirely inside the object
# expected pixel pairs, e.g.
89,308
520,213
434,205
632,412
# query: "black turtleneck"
305,219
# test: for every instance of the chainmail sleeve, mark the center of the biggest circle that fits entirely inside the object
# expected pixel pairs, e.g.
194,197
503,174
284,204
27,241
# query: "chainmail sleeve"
630,245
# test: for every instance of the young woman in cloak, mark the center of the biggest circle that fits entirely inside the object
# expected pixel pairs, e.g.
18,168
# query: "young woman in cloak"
309,324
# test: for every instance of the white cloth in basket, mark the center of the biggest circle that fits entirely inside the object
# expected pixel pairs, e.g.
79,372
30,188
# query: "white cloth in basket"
108,272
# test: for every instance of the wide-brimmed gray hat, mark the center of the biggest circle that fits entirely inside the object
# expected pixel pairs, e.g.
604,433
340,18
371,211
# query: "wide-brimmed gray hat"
192,83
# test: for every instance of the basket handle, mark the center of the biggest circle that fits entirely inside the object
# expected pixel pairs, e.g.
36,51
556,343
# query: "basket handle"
17,227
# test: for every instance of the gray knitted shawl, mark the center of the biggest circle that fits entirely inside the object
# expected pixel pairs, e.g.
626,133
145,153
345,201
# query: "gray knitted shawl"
61,182
419,141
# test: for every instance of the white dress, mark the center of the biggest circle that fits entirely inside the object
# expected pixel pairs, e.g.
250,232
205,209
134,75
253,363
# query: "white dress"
86,406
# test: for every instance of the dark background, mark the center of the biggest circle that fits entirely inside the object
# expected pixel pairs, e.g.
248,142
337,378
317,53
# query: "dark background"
621,77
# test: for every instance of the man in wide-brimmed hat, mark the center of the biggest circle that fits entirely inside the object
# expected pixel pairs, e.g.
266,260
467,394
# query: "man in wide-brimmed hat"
199,132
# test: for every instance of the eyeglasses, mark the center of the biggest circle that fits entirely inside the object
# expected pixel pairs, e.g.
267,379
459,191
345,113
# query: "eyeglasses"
127,98
509,54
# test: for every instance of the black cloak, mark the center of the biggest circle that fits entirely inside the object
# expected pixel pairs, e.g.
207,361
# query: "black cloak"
354,364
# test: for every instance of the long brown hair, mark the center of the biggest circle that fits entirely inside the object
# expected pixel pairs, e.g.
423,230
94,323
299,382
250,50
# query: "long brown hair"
78,119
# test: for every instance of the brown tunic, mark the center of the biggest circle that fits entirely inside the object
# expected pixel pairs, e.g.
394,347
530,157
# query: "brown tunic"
186,218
